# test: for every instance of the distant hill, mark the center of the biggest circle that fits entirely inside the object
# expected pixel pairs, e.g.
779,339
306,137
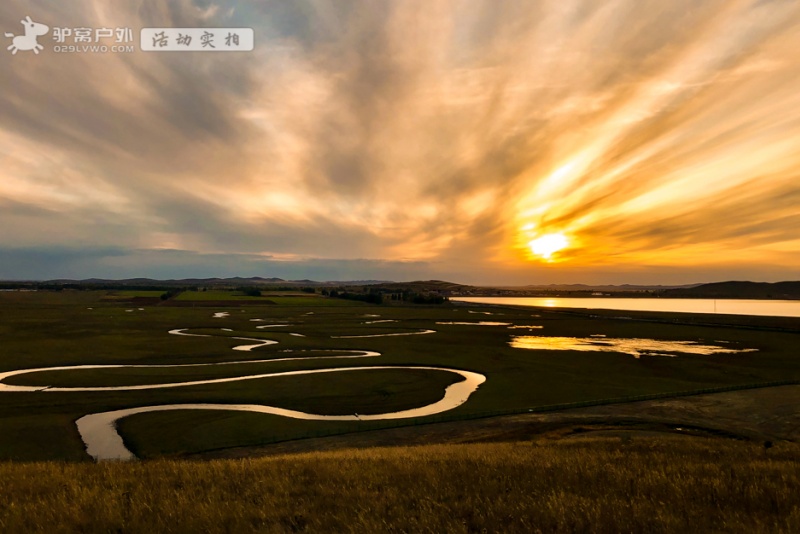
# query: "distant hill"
146,283
719,290
137,282
741,290
423,286
609,288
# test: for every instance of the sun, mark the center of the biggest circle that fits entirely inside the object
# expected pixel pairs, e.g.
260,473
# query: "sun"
548,244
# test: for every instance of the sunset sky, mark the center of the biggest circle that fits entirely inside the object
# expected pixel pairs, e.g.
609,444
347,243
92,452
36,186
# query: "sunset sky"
488,142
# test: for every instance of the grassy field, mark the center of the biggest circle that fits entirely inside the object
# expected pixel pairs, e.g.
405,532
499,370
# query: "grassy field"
215,295
43,329
305,300
580,485
281,298
129,294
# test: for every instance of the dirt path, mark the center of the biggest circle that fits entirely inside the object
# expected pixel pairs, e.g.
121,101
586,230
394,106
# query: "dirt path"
768,414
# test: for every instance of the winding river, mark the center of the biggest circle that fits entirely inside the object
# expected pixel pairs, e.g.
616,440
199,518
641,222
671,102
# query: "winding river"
99,430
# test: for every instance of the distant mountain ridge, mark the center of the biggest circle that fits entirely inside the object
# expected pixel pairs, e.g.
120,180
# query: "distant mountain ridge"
612,288
187,282
739,289
789,290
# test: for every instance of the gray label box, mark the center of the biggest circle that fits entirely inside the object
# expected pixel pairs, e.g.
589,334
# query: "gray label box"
197,39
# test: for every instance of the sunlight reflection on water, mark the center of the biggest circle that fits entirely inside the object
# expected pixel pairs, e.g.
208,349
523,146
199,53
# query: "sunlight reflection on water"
636,347
480,323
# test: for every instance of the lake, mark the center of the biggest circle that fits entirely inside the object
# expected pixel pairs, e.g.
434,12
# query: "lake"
773,308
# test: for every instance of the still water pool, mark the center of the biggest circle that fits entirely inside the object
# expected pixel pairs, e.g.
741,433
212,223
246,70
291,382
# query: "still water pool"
775,308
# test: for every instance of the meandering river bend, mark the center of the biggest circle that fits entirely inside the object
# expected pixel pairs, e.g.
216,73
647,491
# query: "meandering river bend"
99,430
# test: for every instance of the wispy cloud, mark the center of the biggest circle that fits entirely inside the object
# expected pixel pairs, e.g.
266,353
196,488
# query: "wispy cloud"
661,135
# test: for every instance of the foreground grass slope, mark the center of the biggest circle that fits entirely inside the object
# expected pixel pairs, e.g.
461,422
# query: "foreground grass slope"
644,484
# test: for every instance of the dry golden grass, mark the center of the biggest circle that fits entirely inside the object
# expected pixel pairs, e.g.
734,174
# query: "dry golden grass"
592,485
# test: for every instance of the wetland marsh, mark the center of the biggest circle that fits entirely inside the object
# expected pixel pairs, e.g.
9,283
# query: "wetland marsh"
69,355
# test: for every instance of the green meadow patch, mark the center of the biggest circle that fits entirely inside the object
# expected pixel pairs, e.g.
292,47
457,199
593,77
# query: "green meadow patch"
280,298
137,293
305,300
216,295
70,328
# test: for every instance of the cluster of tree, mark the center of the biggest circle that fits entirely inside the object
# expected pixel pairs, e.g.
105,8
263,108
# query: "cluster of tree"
428,299
377,295
251,291
32,286
371,297
78,286
416,297
171,293
290,288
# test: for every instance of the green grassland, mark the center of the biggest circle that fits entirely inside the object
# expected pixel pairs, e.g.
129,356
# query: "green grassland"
130,295
305,300
138,293
281,298
46,329
215,295
581,485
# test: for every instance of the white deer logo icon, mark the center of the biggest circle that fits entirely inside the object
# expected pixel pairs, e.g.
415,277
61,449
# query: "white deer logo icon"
28,41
